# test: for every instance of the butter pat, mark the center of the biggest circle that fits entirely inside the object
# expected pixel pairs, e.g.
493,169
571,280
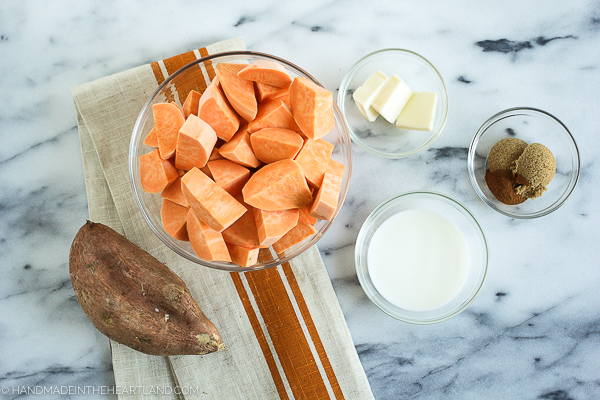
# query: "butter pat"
392,98
419,112
364,95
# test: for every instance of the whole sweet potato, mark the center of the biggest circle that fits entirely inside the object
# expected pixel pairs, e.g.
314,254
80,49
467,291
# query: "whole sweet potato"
134,299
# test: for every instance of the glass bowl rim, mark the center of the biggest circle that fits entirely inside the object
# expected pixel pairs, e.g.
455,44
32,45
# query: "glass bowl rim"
507,114
344,88
343,132
362,268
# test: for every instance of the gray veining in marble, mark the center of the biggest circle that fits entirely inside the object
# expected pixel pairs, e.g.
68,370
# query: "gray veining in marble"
534,330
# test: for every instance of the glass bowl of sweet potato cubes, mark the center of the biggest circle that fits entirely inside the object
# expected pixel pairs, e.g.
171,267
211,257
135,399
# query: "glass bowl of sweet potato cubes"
240,161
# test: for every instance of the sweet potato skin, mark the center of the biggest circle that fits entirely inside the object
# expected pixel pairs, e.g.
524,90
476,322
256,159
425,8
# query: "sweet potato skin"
134,299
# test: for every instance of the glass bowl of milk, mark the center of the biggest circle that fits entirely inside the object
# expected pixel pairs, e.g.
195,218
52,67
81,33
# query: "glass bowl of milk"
421,257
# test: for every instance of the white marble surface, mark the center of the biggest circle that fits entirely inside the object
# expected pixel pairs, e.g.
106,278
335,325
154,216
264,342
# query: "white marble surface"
533,332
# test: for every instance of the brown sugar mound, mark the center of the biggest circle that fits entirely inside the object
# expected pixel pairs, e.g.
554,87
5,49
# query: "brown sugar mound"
538,166
504,153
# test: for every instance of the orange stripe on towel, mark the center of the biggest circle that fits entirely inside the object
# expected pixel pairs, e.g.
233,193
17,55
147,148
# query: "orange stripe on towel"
172,64
314,334
158,74
207,64
190,79
285,331
260,336
187,82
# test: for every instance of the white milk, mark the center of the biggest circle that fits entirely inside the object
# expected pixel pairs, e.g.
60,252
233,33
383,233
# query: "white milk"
418,260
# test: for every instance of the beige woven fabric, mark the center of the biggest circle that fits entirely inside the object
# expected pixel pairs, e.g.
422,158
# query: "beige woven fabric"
260,360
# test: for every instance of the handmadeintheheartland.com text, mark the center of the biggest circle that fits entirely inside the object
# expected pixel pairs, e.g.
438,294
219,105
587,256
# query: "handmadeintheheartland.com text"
118,390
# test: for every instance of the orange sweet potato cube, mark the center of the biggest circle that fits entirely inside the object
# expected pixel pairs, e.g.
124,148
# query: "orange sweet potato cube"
230,176
174,193
243,256
239,149
239,91
266,92
151,140
174,219
313,158
304,216
312,107
211,203
273,114
243,231
207,243
156,173
168,119
195,143
326,199
274,144
272,225
267,72
190,106
296,235
217,112
278,186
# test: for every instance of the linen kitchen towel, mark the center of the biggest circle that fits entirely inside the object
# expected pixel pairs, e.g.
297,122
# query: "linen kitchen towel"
283,328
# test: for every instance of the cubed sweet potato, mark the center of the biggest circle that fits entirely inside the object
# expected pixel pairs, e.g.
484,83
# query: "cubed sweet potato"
243,256
155,173
273,114
195,143
217,112
312,107
243,231
190,106
151,140
213,205
268,72
230,176
272,225
313,158
207,243
168,119
296,235
274,144
239,92
278,186
326,199
174,219
239,149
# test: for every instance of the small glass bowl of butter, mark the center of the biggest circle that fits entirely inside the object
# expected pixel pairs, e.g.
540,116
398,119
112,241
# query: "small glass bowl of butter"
410,95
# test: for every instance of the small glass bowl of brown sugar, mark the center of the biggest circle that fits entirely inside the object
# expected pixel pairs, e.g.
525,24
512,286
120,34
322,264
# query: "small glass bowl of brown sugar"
495,177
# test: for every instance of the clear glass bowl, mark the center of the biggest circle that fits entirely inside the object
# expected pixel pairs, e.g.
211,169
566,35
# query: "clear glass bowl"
192,76
532,126
461,218
380,137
